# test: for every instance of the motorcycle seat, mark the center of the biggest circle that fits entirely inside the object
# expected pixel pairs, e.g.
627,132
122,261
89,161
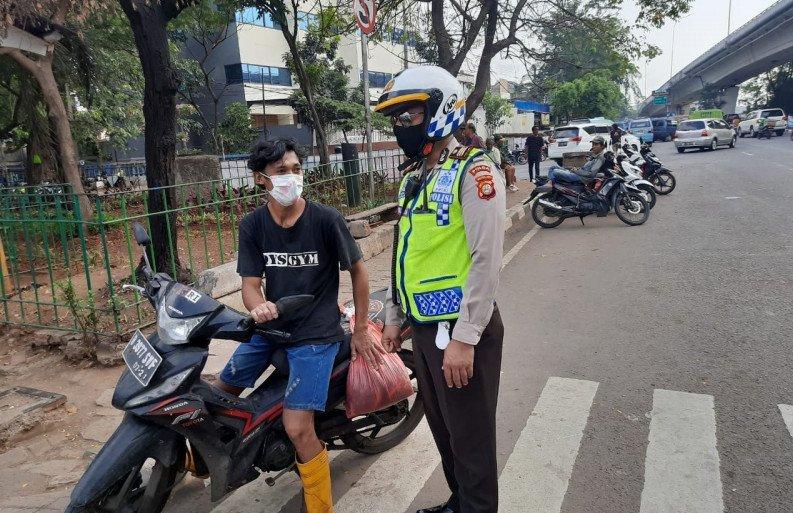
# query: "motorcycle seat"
567,180
280,361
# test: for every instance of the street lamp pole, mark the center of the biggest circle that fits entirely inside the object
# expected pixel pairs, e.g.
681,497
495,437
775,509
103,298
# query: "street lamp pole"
672,52
729,17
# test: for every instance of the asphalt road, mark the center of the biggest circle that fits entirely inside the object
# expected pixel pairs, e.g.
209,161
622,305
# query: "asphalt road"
644,367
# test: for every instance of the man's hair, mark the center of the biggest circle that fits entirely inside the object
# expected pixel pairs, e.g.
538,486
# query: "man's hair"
472,127
489,140
266,152
497,137
535,127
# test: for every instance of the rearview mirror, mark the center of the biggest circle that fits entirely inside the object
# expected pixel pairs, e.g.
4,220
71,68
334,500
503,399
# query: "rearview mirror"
141,237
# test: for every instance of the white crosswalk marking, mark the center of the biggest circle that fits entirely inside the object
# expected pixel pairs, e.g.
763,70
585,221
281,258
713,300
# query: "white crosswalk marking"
538,471
681,469
391,483
787,415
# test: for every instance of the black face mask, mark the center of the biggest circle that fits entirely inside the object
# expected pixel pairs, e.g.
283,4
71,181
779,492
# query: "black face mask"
411,139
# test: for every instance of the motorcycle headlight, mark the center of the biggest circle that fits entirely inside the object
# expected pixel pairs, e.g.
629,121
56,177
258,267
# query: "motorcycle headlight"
168,387
175,331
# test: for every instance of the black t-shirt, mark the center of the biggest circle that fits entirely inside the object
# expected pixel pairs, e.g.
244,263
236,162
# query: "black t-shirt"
303,259
534,144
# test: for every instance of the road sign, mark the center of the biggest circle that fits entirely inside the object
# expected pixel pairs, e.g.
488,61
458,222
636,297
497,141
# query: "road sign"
365,11
661,92
660,100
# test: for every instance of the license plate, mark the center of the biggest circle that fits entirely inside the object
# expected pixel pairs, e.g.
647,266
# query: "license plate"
562,144
141,358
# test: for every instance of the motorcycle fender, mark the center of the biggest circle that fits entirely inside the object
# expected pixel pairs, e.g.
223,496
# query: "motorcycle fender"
629,187
637,183
132,439
539,190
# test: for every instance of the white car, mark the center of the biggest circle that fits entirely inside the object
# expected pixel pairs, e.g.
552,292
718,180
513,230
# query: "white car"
575,138
750,122
704,134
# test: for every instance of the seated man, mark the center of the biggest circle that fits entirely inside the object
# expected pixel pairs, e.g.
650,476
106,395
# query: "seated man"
299,246
600,161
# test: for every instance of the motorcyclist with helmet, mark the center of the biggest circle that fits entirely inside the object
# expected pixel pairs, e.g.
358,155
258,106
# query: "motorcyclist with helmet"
445,272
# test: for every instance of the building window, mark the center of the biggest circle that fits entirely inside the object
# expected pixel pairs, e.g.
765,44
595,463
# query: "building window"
252,16
378,79
306,19
255,74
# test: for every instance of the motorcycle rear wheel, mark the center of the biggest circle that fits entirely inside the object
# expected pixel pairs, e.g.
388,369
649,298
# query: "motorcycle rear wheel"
664,182
624,209
539,215
145,489
522,159
376,441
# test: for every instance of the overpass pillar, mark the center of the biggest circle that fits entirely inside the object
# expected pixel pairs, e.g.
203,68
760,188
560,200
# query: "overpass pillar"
730,99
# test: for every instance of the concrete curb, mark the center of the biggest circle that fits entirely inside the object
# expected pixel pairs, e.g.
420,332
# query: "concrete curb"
517,213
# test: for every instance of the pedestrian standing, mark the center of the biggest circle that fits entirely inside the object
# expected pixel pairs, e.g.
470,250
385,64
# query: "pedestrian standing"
534,146
445,273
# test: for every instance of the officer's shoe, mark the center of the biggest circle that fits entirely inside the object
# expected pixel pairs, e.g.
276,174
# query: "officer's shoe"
443,508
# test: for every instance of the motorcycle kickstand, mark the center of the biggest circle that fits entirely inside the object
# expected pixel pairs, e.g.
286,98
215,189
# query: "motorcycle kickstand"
271,480
581,218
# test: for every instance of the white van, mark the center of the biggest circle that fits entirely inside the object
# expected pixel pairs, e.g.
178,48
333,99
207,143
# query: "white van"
750,123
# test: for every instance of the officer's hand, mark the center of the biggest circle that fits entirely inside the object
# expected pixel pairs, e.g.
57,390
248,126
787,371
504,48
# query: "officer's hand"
364,345
458,363
265,312
392,342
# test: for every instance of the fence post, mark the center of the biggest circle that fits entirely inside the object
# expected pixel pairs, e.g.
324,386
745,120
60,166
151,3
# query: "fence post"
351,166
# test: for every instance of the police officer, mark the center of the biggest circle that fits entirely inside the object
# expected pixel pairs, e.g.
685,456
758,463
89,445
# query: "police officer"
445,273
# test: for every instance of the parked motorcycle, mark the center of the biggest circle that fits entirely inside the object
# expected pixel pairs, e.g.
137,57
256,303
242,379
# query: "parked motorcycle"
557,201
172,414
517,156
633,175
652,169
767,130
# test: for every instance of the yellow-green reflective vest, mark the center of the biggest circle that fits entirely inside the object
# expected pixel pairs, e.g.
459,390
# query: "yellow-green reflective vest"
432,257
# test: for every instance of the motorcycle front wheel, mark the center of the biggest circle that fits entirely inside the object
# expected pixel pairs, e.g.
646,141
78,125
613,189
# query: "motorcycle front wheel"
631,209
410,412
542,218
648,192
522,159
664,182
145,489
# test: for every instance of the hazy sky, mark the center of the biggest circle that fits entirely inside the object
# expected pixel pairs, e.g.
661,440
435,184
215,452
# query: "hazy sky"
703,27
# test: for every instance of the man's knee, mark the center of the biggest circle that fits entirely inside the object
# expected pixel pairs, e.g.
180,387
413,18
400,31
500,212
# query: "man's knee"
299,428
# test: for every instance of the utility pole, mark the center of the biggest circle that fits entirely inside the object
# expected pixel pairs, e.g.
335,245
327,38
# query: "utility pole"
367,111
729,17
672,52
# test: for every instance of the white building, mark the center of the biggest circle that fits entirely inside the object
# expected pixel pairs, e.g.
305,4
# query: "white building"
249,65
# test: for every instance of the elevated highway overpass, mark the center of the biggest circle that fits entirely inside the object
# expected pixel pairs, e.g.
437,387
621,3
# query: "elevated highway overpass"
763,43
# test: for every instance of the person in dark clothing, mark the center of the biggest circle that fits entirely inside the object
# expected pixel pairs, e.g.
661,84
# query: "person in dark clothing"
471,138
534,146
616,134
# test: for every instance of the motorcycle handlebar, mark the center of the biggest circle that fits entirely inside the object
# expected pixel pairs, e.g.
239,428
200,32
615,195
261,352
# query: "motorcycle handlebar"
285,306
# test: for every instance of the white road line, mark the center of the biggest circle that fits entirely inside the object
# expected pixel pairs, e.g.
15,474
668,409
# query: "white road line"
681,469
538,471
392,482
787,415
750,154
517,247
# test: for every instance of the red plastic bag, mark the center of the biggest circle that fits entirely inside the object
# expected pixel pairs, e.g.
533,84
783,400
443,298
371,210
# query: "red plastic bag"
370,390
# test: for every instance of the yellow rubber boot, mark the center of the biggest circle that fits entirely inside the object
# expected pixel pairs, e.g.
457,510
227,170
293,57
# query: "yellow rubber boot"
315,476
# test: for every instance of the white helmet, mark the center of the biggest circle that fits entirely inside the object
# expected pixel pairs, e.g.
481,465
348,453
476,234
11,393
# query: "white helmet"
433,86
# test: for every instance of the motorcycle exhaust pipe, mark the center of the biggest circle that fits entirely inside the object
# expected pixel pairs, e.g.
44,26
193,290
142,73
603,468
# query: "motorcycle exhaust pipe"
554,206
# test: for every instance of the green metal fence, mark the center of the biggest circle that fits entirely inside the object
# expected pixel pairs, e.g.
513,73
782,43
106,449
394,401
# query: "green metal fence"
59,270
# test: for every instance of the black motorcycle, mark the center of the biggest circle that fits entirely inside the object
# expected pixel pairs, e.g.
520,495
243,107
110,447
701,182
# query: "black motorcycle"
559,200
766,131
653,171
517,156
173,415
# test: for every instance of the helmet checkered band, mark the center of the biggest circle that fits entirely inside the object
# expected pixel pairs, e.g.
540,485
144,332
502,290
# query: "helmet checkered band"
450,123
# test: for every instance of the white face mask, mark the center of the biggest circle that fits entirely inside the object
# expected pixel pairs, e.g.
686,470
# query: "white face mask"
286,188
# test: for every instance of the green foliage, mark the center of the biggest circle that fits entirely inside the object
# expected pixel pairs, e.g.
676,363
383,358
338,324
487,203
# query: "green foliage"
591,95
235,129
772,89
497,109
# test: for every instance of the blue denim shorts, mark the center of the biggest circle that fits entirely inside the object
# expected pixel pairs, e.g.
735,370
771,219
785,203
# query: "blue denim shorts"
310,367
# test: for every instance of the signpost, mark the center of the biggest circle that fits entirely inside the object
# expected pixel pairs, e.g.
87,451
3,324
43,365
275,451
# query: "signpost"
661,97
365,12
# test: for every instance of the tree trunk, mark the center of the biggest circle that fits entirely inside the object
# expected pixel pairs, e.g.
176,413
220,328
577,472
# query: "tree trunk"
67,150
149,26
